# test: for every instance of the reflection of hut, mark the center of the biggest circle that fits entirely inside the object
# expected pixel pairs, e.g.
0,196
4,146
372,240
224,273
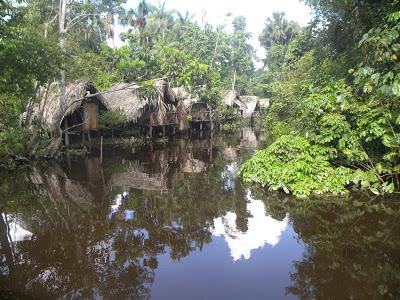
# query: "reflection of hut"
193,165
248,139
230,153
136,177
80,112
60,188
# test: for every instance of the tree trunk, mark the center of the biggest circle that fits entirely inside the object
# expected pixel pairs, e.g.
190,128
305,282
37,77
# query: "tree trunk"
56,140
56,131
63,8
234,79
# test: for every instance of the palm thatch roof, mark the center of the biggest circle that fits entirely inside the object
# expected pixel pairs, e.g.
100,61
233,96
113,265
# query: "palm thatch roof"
127,98
77,92
247,104
181,94
229,97
264,102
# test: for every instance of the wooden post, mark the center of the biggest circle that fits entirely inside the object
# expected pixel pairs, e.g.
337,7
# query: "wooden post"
163,130
88,134
151,131
83,136
66,135
101,149
201,125
211,120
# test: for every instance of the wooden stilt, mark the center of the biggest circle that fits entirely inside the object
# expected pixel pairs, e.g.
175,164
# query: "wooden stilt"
101,149
66,135
151,131
211,120
163,131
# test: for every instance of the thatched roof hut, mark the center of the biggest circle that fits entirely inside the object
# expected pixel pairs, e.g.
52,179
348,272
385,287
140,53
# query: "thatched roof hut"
246,105
181,94
125,98
264,102
230,97
166,106
77,94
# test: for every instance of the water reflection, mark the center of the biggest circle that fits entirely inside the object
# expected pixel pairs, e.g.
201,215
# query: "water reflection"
16,232
88,230
261,229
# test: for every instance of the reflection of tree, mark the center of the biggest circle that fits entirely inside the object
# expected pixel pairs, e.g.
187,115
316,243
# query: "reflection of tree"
69,254
353,249
79,252
275,203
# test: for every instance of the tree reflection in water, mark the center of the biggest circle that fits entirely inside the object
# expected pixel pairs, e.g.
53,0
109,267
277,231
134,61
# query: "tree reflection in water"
352,246
83,244
88,229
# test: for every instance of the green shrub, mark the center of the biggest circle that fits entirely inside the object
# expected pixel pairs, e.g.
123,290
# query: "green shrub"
293,165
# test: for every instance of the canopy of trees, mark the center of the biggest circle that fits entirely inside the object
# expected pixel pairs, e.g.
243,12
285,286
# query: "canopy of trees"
335,87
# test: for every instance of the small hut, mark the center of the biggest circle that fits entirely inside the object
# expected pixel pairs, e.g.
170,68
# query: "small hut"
78,114
125,97
230,97
246,106
262,105
201,114
160,109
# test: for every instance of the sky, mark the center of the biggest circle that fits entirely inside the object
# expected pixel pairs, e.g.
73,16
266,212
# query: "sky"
256,11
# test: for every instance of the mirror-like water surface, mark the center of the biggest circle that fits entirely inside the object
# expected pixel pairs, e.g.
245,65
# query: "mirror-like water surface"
173,221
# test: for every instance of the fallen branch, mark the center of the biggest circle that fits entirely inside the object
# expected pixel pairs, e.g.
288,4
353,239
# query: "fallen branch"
76,125
17,158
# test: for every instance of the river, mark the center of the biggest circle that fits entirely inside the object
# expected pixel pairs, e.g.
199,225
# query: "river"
173,221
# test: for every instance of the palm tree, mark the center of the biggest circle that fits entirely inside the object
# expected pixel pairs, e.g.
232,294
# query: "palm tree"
137,18
277,30
161,19
184,19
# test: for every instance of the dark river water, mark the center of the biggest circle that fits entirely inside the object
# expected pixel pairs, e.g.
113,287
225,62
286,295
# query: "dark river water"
173,221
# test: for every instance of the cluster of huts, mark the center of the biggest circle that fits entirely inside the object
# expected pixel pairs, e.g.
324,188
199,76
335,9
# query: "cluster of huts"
162,109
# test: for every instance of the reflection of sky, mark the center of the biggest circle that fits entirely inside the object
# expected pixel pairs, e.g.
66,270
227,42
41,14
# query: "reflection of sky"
262,230
16,231
229,175
118,201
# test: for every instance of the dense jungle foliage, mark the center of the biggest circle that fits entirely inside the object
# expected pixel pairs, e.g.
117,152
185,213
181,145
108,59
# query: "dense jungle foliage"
334,84
335,87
